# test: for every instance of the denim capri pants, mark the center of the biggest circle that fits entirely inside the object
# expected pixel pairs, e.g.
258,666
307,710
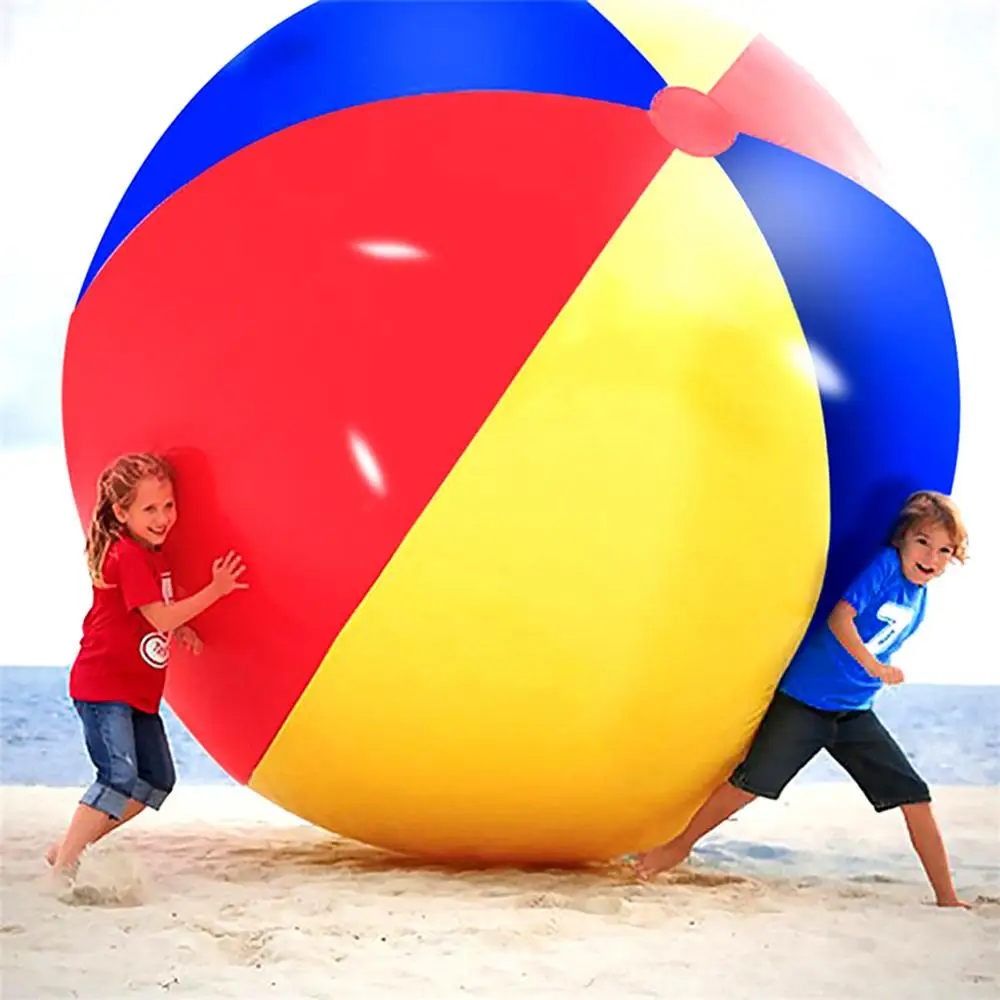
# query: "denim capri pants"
129,748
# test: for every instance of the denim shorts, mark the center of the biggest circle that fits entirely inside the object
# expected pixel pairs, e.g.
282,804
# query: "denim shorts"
129,748
792,733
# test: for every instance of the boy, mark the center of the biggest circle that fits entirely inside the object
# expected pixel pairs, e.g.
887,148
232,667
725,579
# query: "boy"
824,698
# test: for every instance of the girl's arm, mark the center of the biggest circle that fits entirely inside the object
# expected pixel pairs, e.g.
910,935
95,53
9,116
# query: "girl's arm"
841,622
225,579
166,617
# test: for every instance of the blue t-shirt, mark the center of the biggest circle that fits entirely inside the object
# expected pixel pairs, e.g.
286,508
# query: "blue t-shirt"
889,610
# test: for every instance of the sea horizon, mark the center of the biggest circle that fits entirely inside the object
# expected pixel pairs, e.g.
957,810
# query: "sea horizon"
951,732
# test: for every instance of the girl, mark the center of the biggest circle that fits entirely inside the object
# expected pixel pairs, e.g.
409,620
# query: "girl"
824,698
117,679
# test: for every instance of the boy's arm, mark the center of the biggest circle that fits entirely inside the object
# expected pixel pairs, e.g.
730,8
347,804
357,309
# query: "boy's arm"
841,622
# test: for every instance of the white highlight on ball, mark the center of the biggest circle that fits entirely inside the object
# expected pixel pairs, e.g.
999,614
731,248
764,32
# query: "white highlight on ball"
390,250
815,364
366,462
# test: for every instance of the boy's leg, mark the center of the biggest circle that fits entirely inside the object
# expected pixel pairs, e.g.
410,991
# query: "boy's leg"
110,742
789,736
869,754
724,802
925,835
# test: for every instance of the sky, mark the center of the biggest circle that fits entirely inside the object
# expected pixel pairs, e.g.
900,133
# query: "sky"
88,86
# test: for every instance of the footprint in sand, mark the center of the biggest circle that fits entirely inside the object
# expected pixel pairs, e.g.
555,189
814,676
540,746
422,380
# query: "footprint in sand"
707,880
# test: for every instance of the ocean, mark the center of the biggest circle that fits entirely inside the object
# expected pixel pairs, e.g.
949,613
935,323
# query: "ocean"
950,732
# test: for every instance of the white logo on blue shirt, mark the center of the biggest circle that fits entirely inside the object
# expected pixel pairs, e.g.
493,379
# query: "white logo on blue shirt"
897,618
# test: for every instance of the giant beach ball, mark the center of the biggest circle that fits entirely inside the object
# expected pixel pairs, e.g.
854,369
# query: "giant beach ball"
553,365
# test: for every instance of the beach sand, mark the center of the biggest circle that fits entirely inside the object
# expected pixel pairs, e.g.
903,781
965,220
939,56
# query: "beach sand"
224,895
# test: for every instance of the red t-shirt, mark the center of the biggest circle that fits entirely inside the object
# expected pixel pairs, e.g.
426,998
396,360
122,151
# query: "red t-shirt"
122,657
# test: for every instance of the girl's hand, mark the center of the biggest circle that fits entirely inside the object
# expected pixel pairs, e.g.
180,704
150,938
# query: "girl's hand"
226,573
187,636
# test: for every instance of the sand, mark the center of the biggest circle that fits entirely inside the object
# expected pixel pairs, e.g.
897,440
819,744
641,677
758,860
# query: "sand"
224,895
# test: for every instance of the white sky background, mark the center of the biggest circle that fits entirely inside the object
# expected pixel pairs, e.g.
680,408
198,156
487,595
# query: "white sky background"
88,86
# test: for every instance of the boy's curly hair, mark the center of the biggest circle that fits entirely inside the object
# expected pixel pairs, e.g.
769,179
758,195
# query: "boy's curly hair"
931,507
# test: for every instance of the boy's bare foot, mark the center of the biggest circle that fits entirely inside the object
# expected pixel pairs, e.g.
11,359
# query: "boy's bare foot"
953,902
52,853
660,859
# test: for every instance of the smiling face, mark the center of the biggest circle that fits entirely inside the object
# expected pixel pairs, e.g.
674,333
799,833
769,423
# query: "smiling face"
925,551
152,512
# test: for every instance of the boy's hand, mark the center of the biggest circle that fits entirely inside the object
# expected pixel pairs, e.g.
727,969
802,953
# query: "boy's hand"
187,636
889,675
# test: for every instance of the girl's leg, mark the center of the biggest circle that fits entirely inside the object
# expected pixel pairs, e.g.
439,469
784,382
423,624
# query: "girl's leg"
87,825
925,835
153,777
132,809
154,760
107,728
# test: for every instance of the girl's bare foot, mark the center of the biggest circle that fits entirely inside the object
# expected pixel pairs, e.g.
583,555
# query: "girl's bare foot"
661,859
60,881
52,853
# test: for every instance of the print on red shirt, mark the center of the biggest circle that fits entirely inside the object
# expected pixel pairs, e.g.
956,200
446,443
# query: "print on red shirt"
122,657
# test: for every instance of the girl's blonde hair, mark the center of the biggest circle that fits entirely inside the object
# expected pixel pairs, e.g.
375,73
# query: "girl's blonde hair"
117,485
930,507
